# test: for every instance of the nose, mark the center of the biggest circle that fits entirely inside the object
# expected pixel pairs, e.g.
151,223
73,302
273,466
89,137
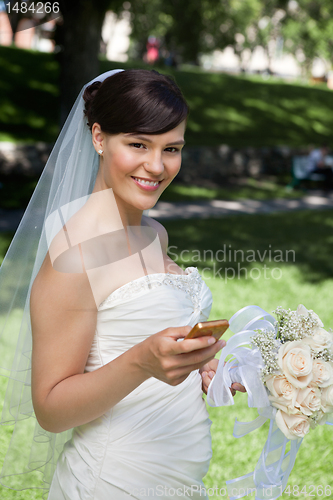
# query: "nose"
154,164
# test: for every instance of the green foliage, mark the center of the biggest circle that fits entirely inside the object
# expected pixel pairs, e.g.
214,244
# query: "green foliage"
182,25
308,30
16,193
304,28
195,27
29,95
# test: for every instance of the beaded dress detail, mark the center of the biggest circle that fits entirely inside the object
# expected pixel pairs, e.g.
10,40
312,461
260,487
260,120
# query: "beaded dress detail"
190,283
157,438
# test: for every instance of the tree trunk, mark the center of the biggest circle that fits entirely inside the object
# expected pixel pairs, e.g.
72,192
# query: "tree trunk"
81,44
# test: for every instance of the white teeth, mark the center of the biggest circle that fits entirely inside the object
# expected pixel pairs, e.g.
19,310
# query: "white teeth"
148,183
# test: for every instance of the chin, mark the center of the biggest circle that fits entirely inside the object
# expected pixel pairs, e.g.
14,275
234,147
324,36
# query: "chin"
145,205
148,206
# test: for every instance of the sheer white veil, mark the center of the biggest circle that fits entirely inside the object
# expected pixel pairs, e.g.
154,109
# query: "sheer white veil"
69,175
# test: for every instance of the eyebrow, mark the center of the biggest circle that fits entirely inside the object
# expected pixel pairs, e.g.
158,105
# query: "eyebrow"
142,138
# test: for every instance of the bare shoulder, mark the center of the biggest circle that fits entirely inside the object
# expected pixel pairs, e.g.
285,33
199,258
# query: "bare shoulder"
161,231
62,282
63,322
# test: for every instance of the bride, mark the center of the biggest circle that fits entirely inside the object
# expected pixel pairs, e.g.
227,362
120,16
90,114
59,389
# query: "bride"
109,309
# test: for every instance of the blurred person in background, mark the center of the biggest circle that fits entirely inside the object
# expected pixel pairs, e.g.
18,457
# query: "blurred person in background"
319,163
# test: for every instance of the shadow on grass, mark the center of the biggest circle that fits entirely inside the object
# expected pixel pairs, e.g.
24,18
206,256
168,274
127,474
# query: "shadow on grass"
302,238
225,109
251,189
240,111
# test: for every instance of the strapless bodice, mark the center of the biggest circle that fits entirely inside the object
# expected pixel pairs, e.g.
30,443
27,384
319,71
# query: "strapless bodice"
158,434
146,306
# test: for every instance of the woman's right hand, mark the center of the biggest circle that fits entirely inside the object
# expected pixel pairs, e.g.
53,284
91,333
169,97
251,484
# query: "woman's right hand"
164,357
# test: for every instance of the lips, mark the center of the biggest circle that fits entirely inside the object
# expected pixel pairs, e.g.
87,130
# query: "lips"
146,184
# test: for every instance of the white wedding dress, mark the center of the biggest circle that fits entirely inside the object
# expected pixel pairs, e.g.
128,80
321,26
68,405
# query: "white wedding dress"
156,442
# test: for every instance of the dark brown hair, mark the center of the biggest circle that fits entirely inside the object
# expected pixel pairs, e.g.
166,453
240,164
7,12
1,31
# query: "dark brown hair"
135,100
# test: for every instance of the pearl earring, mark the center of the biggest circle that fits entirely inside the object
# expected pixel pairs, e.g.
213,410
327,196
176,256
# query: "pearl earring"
100,151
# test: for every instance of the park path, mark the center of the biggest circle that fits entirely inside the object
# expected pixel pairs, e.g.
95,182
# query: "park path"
166,210
216,208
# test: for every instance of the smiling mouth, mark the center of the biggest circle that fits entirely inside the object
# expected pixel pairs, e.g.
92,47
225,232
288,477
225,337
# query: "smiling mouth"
146,182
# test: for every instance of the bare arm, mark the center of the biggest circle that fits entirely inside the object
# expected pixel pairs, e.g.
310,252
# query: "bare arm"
63,315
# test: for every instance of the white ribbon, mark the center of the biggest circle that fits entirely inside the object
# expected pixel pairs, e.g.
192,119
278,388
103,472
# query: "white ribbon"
271,474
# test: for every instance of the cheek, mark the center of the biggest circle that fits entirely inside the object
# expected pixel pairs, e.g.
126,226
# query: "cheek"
120,163
174,166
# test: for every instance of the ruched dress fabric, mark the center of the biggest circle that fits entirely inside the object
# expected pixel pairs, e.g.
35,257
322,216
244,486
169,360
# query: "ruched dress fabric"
156,442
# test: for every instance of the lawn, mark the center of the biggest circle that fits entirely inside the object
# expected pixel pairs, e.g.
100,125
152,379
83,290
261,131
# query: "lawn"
268,260
225,109
307,277
254,189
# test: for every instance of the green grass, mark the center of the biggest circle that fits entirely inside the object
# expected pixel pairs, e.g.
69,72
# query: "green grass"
306,277
251,189
225,109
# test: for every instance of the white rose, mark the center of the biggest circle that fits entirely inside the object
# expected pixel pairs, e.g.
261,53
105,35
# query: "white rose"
319,340
283,404
278,386
302,311
292,426
308,400
321,418
295,361
322,373
327,399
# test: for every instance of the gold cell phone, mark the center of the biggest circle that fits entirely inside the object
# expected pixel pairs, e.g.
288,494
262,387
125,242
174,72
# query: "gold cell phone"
208,328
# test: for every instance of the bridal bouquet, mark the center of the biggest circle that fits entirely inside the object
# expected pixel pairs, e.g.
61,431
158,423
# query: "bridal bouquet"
286,365
298,371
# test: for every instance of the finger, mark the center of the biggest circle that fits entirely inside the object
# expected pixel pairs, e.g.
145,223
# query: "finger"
189,345
177,332
198,358
212,365
238,387
205,383
204,368
184,368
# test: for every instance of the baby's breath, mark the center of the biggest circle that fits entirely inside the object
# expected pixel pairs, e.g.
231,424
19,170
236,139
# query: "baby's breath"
325,355
268,346
316,418
292,326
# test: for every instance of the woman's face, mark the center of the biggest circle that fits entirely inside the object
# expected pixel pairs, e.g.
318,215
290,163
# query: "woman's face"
129,161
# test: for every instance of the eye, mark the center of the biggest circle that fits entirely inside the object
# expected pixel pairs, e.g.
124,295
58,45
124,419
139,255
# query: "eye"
137,145
175,150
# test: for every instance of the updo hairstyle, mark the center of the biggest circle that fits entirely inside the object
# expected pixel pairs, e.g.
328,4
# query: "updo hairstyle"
135,100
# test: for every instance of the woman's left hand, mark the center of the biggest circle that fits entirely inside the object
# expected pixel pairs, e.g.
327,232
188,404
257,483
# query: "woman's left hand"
208,371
